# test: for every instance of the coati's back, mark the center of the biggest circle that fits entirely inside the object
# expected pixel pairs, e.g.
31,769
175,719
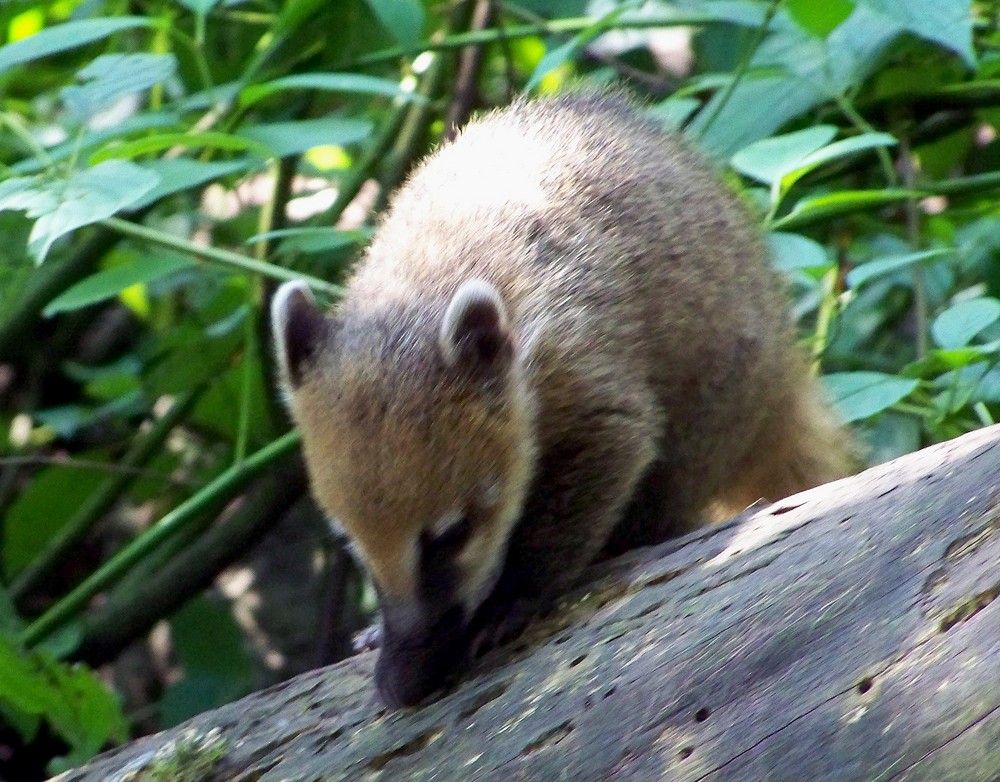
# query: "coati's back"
564,338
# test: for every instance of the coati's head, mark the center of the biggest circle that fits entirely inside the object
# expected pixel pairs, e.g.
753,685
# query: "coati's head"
418,436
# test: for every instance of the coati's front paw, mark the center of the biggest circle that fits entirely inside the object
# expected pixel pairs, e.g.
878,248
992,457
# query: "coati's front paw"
367,639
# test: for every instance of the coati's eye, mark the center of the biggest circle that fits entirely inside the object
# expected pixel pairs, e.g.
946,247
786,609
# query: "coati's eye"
452,539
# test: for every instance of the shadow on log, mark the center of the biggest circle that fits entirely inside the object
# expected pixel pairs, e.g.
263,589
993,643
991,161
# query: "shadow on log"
847,633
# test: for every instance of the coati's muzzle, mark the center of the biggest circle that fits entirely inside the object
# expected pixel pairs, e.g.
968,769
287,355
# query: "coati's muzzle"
422,648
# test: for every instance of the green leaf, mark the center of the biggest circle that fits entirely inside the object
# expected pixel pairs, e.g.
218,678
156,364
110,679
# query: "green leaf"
329,82
940,361
293,138
64,205
213,658
957,325
880,267
841,202
71,699
768,160
842,148
161,141
110,282
40,511
80,143
947,22
404,19
64,37
812,71
673,112
794,251
857,395
565,52
179,174
311,240
111,76
820,18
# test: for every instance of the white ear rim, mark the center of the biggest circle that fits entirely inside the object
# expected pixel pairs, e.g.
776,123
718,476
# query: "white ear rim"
469,295
280,307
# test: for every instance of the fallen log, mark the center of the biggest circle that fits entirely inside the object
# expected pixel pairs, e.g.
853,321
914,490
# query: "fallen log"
847,633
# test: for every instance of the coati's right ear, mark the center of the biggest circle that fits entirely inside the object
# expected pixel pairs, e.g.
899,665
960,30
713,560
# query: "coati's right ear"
299,328
475,331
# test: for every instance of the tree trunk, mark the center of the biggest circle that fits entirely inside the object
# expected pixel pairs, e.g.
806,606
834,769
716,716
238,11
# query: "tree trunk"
847,633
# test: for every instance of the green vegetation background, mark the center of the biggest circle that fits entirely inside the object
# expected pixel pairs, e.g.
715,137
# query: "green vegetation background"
163,163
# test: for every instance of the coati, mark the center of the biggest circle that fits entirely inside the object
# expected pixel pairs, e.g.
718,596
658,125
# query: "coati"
564,341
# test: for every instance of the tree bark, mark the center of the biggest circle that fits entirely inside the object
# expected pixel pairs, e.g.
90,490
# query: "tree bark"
848,633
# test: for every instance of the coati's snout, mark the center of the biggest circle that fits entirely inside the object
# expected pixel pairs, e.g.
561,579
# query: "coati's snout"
418,435
422,648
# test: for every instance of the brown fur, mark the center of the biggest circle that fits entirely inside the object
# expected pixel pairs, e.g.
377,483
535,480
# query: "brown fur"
645,372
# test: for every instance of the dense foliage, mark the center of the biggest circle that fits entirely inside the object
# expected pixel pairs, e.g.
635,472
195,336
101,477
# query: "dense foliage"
164,162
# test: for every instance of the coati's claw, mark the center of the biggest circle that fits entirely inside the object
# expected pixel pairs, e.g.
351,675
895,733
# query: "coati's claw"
368,639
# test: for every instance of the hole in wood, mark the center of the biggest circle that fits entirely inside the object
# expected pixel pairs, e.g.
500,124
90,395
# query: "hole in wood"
865,685
702,714
548,739
578,660
608,693
482,699
685,753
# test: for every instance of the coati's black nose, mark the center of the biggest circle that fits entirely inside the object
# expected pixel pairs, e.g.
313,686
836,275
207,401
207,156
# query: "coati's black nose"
413,665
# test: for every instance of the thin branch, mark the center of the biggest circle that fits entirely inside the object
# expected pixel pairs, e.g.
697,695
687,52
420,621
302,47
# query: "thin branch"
216,255
103,498
552,27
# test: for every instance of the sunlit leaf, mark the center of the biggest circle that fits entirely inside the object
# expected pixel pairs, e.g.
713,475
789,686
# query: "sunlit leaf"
767,160
857,395
61,206
870,270
162,141
329,82
112,76
820,18
947,22
794,251
957,325
837,149
292,138
823,207
66,36
110,282
178,174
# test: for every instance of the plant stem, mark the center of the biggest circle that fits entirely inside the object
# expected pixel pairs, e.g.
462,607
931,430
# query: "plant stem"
552,27
216,255
219,491
908,171
741,69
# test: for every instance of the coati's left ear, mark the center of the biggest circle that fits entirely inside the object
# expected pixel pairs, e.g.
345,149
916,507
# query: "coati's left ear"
299,328
476,329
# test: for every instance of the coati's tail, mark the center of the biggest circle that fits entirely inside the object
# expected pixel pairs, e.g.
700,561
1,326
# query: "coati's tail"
801,445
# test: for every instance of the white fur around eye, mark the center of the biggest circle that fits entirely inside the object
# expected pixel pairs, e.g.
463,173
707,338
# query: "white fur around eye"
445,523
491,492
